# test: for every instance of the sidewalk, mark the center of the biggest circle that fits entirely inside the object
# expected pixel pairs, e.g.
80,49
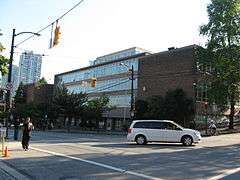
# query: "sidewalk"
8,171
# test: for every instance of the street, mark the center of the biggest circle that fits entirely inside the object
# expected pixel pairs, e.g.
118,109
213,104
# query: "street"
88,156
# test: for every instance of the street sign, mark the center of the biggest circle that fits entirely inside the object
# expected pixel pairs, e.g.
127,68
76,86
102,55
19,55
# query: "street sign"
9,86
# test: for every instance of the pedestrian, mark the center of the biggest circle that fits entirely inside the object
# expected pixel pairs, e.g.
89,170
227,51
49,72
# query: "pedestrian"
27,128
16,128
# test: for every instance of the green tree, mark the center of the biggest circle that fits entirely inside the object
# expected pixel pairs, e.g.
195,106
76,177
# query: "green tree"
178,107
224,48
42,81
95,108
174,106
69,105
142,109
3,60
20,97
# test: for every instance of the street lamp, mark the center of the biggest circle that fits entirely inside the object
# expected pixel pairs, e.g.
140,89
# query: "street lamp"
132,79
8,97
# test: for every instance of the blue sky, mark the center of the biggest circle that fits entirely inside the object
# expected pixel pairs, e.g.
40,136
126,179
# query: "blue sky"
98,27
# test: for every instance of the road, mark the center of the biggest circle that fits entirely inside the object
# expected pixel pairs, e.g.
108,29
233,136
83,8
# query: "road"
61,156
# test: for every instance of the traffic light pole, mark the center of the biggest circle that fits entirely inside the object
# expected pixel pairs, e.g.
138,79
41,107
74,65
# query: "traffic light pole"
8,97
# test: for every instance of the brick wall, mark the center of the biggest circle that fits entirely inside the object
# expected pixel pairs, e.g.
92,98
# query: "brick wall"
40,94
165,71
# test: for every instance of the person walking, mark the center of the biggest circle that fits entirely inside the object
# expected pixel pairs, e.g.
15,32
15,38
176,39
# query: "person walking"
16,128
27,128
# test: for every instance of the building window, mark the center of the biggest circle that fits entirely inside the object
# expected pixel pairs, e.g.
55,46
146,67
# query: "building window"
202,92
118,124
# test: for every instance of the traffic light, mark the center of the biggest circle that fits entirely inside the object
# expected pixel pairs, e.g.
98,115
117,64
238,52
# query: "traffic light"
93,82
57,34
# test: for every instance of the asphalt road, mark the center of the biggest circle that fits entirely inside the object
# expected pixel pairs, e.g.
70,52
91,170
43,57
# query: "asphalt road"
63,156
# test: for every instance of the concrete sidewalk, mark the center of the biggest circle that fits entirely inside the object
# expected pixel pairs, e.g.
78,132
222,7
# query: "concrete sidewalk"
7,171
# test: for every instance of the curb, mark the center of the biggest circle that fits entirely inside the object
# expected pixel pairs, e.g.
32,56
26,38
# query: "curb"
88,132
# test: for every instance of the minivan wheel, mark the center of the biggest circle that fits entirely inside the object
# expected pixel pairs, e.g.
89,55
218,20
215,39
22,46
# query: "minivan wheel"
141,140
187,140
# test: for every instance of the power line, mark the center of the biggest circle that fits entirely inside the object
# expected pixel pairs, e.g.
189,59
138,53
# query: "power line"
42,54
51,23
98,90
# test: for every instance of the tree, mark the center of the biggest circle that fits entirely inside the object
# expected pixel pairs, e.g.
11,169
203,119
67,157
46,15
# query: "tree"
42,81
3,60
174,106
95,108
69,104
224,46
178,107
142,108
20,96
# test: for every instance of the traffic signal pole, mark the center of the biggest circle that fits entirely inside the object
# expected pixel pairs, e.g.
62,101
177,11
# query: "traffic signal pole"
8,95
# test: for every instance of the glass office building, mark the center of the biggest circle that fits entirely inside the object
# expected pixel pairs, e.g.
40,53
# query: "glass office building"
113,79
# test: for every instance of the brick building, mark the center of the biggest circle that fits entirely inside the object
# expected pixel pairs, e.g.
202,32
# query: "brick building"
169,70
173,69
38,94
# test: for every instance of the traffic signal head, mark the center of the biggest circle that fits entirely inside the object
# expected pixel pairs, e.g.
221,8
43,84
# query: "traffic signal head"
57,34
93,82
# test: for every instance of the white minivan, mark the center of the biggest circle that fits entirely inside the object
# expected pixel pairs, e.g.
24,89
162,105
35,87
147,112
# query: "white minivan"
144,131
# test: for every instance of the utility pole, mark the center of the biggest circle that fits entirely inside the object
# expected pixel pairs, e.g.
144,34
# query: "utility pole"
132,90
132,93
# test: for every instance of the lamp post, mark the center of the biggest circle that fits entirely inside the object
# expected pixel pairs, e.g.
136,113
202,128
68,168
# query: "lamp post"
8,95
132,93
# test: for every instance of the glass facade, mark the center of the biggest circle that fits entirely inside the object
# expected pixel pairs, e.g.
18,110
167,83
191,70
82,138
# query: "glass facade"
113,78
119,84
30,67
100,71
118,55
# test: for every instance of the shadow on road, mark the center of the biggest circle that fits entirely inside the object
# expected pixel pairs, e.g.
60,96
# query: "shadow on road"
149,145
200,163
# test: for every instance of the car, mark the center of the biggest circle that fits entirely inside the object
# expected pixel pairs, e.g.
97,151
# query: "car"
144,131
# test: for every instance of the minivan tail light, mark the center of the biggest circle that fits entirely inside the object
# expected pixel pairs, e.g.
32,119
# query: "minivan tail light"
129,130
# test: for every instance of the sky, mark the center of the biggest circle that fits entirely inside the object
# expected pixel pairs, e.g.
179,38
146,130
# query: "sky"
99,27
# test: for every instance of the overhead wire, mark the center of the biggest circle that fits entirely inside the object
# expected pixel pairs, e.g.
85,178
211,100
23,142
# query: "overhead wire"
98,90
50,23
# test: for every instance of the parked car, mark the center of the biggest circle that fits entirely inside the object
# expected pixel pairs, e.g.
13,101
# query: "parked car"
144,131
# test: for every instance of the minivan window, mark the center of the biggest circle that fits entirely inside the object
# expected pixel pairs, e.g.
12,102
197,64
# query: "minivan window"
142,125
157,125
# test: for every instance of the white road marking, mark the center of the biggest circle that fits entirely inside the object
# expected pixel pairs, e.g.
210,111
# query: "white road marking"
99,164
225,174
